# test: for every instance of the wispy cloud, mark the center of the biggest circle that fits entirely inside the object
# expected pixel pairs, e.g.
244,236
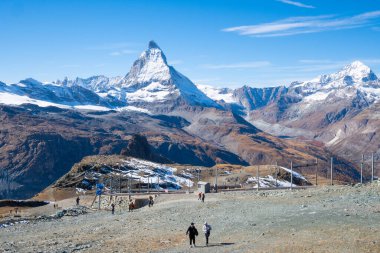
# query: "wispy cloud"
241,65
298,4
112,46
302,25
70,66
123,52
175,62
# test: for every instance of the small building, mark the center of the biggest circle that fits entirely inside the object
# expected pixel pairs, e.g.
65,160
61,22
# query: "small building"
203,187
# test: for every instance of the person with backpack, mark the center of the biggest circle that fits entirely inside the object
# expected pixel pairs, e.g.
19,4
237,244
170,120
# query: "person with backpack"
192,232
207,230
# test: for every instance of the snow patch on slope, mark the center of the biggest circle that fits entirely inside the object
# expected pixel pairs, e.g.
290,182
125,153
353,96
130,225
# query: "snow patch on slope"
218,94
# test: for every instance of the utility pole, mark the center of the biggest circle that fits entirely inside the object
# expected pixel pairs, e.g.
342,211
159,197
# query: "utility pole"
331,170
129,186
361,169
216,179
276,174
148,184
291,175
316,171
258,177
372,167
111,184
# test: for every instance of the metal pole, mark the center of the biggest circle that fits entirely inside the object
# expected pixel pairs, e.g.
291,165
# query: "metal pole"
129,186
111,184
258,177
361,169
291,175
99,202
316,171
216,179
148,183
331,170
372,167
276,174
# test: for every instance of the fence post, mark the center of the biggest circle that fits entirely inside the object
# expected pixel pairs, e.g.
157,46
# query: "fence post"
258,177
291,175
372,167
331,170
361,169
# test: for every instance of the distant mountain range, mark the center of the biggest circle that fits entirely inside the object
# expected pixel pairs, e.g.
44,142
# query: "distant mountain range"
184,122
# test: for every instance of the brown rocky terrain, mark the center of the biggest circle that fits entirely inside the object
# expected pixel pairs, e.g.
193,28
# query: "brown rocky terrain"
39,145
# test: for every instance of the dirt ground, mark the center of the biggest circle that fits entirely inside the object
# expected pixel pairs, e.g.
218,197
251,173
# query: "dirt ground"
325,219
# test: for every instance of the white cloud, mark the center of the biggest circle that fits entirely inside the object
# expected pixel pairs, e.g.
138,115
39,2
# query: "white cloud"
70,66
298,4
241,65
123,52
175,62
112,46
302,25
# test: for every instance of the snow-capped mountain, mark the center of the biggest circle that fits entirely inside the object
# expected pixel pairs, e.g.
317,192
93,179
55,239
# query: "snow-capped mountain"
30,91
150,80
224,95
309,108
346,82
98,84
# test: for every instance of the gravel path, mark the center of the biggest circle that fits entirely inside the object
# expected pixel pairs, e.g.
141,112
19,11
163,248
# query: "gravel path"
328,219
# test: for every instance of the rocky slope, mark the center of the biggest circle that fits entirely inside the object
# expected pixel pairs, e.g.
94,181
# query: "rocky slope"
38,145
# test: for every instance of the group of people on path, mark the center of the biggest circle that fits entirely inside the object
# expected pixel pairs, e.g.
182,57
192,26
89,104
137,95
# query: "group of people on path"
201,196
193,232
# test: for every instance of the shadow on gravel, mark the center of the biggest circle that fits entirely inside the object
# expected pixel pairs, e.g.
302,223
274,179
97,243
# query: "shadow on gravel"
217,244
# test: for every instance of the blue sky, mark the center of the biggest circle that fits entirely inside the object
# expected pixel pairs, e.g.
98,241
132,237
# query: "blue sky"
216,42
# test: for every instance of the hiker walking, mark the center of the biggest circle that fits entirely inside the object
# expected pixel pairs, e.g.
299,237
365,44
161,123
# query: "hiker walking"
199,195
151,201
131,206
192,232
113,208
203,197
206,230
78,201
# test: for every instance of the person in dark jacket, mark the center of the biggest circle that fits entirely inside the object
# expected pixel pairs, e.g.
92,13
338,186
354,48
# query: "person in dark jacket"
78,201
113,208
192,232
203,197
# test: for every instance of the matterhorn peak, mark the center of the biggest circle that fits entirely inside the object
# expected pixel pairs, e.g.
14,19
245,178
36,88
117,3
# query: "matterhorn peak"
152,44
